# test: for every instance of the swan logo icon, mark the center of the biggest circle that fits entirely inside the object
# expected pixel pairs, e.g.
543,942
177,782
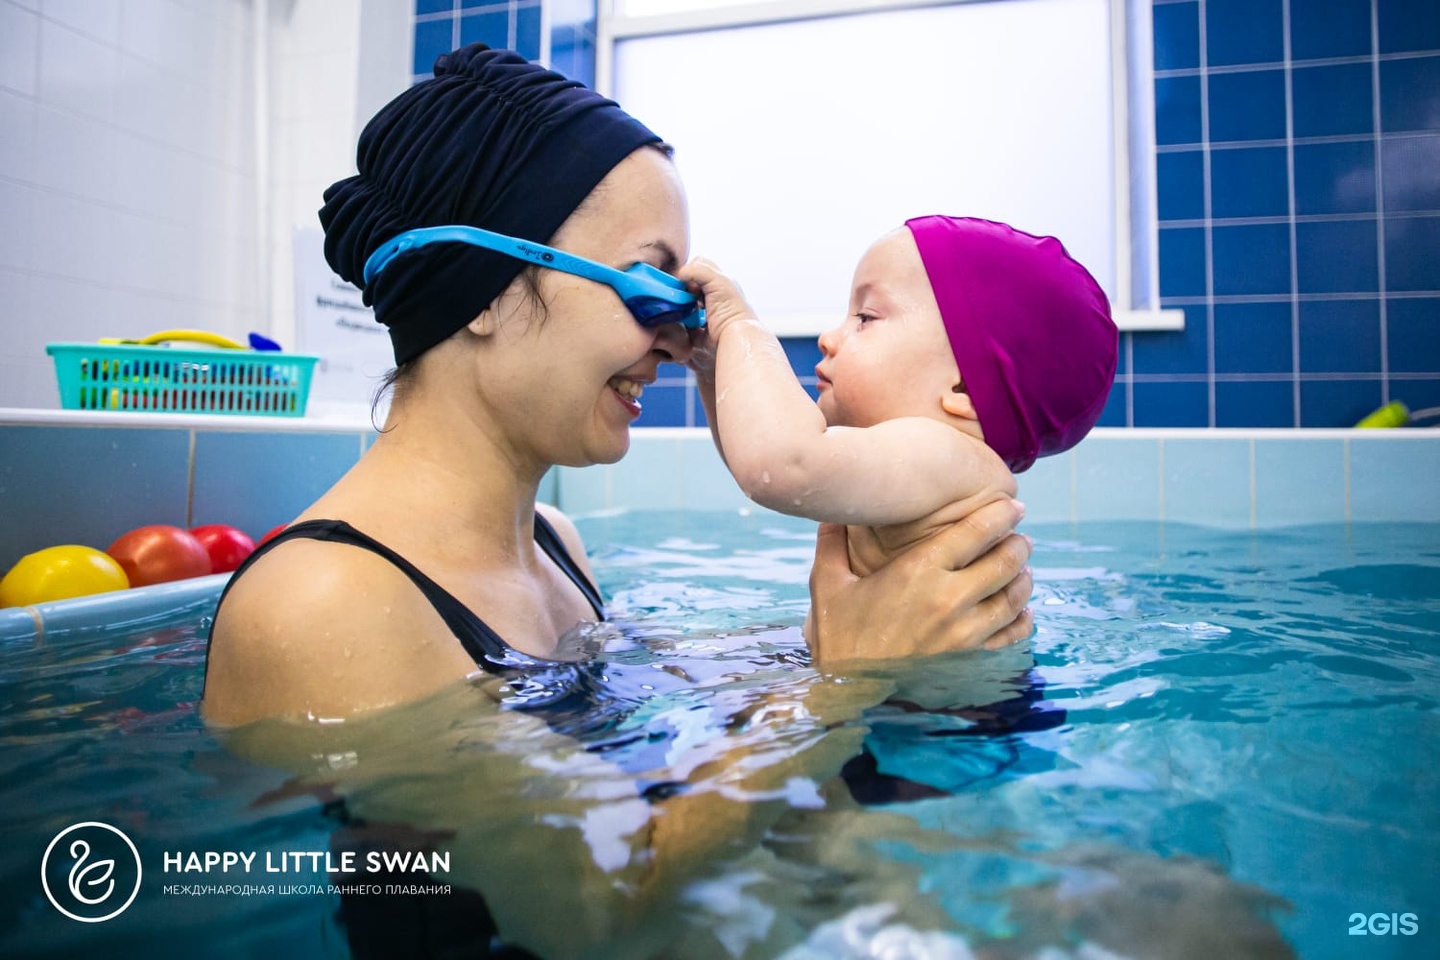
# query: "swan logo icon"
90,872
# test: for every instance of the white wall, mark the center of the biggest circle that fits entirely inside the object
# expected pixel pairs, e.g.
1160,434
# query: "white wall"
333,64
126,178
836,130
129,199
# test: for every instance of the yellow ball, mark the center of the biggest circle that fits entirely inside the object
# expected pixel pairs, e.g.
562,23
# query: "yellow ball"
59,573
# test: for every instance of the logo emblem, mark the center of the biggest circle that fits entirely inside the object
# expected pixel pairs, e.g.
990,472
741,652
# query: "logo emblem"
90,872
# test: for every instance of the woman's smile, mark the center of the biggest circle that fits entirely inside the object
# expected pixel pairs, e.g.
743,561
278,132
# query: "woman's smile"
628,390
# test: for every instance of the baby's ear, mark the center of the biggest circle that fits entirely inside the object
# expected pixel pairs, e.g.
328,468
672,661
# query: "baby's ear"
956,402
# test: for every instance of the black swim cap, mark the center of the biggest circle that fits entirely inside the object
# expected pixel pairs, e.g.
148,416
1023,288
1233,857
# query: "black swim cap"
492,141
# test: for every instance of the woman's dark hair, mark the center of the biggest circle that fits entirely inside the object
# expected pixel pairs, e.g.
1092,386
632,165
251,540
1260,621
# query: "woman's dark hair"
399,377
492,139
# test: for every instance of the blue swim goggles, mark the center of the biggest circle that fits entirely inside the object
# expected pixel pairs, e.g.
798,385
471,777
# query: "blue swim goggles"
653,297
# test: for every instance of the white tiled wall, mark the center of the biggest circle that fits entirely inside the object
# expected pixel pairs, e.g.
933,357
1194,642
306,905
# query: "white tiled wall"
129,199
318,64
126,184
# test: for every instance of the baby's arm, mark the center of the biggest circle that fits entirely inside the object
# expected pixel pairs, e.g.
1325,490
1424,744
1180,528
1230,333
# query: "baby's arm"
702,364
776,443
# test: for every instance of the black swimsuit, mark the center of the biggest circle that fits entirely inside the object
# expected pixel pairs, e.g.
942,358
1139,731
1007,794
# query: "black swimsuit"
484,645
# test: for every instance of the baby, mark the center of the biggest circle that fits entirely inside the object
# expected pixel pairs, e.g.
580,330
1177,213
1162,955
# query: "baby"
970,349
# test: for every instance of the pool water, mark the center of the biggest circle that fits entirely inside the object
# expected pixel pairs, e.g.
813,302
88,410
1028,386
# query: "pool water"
1217,744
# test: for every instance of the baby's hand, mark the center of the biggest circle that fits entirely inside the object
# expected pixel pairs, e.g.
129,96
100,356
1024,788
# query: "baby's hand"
724,301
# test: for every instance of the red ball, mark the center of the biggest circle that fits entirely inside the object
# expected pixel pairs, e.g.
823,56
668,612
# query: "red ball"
159,554
227,546
273,532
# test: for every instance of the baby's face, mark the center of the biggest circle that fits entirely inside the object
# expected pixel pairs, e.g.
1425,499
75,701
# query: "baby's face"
890,358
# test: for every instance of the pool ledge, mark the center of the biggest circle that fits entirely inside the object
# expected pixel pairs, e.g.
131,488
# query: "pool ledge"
122,608
150,420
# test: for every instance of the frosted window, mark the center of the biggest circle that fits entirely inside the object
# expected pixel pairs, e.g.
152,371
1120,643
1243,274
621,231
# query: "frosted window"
800,143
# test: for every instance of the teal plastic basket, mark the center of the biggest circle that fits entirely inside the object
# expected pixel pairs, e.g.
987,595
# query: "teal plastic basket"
102,376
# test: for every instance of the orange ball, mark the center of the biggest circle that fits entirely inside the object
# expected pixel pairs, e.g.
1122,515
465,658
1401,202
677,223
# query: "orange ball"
159,554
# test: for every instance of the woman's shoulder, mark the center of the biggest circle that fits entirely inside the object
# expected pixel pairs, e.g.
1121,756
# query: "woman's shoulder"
324,630
313,577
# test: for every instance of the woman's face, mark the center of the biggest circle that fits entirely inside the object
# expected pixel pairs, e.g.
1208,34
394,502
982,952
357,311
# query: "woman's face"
567,377
890,357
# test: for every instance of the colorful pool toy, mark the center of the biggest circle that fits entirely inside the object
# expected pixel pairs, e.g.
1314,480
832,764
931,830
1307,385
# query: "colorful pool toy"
1396,414
60,573
159,553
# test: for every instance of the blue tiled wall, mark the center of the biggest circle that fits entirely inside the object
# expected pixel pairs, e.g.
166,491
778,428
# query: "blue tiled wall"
1299,201
572,39
1298,167
88,478
443,25
1236,479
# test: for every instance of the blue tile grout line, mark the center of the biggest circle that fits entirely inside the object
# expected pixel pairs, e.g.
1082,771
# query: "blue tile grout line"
1353,60
1271,221
1375,109
1295,397
1250,452
1307,141
1207,205
190,482
1242,298
1345,466
1312,376
1160,479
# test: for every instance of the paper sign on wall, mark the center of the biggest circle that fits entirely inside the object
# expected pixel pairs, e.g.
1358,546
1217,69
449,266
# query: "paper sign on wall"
332,323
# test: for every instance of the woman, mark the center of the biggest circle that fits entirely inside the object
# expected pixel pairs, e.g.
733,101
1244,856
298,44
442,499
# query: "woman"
505,369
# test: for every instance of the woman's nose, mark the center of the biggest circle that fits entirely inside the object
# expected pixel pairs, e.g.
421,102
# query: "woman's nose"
673,341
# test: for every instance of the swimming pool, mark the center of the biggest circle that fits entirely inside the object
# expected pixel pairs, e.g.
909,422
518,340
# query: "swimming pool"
1218,743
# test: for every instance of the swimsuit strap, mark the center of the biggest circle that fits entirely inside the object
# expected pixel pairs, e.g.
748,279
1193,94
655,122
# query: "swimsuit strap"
483,644
550,542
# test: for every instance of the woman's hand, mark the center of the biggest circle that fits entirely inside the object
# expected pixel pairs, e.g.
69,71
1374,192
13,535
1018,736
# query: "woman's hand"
962,589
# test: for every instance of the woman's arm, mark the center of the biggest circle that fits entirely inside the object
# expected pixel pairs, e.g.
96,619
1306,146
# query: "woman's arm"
291,640
776,443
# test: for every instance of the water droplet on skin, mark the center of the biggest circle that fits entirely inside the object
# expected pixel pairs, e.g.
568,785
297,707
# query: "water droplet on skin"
765,476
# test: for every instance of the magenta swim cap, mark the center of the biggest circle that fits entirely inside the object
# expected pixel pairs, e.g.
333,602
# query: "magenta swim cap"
1030,329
